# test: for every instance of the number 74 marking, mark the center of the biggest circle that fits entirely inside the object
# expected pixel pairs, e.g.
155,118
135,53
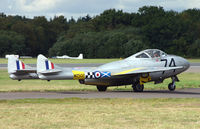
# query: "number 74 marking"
171,64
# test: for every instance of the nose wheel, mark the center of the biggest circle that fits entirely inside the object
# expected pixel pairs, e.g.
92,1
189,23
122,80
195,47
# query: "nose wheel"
172,86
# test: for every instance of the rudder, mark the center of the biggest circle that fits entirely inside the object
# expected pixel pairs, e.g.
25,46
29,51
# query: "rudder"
43,64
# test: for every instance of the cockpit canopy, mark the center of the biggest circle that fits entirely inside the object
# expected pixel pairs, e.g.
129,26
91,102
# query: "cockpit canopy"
155,53
149,53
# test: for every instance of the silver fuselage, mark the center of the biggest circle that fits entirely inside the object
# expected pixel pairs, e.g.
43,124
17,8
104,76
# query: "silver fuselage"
145,62
167,61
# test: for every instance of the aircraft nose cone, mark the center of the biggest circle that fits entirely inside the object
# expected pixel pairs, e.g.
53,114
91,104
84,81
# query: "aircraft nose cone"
186,64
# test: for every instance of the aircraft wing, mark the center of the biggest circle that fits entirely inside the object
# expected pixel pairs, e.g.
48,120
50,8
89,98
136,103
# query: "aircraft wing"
139,70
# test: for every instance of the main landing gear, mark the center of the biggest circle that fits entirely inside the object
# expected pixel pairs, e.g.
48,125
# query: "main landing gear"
102,88
137,87
172,86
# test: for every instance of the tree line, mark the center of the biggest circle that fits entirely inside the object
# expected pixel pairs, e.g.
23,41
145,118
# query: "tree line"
111,34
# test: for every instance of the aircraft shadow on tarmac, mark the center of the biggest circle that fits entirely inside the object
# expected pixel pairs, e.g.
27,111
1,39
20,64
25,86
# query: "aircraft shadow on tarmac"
178,92
162,91
72,92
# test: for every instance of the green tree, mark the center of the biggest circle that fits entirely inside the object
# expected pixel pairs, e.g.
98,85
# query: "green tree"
194,49
133,46
11,43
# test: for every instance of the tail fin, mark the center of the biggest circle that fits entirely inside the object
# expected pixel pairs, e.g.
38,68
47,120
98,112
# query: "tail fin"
14,65
80,56
44,65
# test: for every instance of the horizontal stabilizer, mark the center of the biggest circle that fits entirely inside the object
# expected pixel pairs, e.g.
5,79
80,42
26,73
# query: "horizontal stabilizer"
51,71
26,71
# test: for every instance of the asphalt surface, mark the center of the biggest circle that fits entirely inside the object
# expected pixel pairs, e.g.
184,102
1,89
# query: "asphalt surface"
182,93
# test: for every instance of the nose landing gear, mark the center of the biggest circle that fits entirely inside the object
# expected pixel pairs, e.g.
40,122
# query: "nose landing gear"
172,86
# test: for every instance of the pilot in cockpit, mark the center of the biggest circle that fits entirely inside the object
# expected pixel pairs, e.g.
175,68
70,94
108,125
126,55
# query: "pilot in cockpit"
156,54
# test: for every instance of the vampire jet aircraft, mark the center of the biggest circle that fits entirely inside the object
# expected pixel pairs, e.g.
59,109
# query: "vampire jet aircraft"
145,66
17,70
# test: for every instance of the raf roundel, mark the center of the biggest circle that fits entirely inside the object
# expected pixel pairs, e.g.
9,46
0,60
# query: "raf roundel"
97,74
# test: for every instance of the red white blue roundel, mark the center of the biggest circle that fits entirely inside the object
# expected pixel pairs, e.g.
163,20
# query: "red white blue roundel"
97,74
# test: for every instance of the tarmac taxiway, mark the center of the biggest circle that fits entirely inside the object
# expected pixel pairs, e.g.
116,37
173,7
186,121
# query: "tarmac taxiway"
181,93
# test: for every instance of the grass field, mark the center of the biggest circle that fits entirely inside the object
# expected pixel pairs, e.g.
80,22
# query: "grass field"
61,61
187,80
194,60
76,113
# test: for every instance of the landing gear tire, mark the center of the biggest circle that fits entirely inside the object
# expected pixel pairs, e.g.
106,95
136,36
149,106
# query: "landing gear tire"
101,88
171,86
138,87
